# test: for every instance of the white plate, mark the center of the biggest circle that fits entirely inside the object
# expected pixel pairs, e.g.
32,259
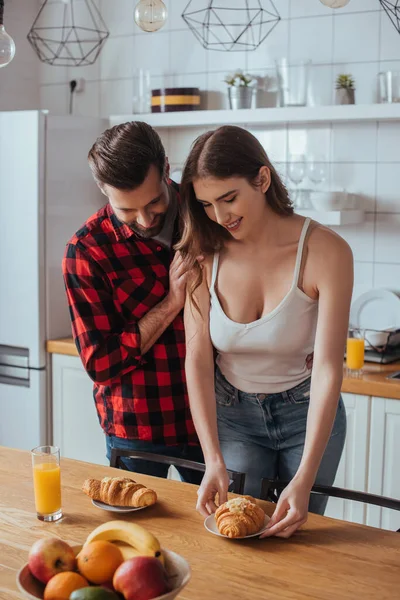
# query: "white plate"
376,309
211,526
119,509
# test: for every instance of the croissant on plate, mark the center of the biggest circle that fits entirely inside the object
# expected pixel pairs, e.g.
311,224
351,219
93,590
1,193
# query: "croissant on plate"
119,491
239,517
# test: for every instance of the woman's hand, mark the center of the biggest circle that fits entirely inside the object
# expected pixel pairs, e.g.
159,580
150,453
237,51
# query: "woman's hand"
215,481
291,511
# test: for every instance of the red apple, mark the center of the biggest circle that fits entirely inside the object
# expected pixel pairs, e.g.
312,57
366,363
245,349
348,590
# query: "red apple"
141,578
50,556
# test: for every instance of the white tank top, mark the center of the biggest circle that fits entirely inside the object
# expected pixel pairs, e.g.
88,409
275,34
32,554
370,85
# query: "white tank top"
267,355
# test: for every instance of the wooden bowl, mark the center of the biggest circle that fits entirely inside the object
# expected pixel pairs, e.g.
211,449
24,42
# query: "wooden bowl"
177,567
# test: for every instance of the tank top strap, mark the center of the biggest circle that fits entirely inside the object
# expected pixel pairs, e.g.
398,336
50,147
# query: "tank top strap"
300,250
214,271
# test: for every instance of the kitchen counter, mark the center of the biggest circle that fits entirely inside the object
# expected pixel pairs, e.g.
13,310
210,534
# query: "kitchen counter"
373,382
327,559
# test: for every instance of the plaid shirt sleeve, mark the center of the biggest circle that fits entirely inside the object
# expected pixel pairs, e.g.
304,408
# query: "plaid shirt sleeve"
109,347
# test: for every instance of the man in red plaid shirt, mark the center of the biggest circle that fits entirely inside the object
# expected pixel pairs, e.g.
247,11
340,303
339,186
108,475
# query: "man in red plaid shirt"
126,293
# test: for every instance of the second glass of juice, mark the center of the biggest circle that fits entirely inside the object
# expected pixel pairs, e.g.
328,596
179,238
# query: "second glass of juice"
355,352
47,482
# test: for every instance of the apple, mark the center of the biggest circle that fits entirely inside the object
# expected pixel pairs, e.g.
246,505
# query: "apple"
141,578
50,556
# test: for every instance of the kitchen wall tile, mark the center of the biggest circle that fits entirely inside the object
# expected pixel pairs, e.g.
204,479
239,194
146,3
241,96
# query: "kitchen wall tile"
387,276
388,189
181,142
283,8
311,39
363,278
88,101
354,142
358,6
356,38
389,39
175,10
387,238
116,97
321,85
217,91
117,58
150,55
273,47
121,21
52,74
297,140
190,60
360,238
305,8
55,98
358,179
274,142
89,73
389,142
365,78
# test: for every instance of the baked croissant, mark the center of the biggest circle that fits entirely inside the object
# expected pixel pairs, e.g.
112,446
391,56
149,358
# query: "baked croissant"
119,491
239,517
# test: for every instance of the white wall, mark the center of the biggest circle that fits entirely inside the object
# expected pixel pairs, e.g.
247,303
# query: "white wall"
358,39
19,81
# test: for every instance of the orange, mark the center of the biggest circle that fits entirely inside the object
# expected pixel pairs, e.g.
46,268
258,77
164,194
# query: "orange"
63,584
98,561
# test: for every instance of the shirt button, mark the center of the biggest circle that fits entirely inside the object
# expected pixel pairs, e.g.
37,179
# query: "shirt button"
159,248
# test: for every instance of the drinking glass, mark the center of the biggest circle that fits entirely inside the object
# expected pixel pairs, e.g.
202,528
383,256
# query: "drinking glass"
389,86
142,91
317,171
47,482
355,347
293,82
296,173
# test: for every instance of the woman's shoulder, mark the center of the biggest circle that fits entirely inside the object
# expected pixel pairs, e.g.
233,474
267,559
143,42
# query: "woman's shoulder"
324,240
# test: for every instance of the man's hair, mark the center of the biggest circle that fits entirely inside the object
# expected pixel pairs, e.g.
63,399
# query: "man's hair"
121,157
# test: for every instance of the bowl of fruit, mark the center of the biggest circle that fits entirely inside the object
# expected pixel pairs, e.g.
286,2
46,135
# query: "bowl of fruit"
118,561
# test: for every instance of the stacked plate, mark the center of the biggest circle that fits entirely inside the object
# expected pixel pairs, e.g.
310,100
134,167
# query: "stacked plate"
376,310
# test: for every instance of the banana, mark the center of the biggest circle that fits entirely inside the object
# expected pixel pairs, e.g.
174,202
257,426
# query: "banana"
144,542
127,551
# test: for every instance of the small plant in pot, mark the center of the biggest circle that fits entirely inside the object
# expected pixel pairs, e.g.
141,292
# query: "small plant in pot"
240,90
345,89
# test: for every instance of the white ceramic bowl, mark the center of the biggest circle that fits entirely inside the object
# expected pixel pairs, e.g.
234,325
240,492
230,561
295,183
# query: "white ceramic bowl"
328,200
177,567
376,338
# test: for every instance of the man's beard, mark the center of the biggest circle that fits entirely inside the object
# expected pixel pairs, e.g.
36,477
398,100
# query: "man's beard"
147,233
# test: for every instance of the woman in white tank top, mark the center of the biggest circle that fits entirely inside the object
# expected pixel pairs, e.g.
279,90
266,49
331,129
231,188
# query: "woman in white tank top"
274,288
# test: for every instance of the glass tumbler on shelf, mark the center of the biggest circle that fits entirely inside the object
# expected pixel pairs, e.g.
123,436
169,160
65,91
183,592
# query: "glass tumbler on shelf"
317,171
47,482
389,87
292,82
141,92
355,348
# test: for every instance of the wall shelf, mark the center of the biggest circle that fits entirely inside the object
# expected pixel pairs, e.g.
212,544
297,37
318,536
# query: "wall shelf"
334,217
267,116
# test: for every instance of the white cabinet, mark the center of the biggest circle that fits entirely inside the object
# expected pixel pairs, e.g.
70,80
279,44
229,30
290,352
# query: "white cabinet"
76,428
384,463
352,471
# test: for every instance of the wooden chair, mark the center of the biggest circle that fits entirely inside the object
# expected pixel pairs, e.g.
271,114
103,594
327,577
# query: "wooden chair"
270,487
237,478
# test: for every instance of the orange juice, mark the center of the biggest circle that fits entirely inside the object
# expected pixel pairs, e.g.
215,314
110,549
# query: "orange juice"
355,353
47,485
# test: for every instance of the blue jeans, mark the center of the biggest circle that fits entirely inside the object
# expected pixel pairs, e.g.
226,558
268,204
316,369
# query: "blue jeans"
263,436
157,469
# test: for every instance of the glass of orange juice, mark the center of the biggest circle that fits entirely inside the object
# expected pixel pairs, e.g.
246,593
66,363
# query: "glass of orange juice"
355,352
47,482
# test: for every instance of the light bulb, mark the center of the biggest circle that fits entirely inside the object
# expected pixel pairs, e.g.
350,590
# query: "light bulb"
150,15
7,47
335,3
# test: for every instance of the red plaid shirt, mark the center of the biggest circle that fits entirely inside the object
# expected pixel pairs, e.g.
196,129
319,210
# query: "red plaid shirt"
113,278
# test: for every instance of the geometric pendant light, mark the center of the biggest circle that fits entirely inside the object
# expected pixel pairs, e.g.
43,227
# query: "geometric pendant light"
68,34
392,9
232,25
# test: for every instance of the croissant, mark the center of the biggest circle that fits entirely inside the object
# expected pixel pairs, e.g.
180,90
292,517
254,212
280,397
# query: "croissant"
239,517
119,491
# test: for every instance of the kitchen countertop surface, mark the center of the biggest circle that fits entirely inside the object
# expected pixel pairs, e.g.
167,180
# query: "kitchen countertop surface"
373,382
328,559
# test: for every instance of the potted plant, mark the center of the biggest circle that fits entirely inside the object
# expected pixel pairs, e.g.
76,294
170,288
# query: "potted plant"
240,92
345,90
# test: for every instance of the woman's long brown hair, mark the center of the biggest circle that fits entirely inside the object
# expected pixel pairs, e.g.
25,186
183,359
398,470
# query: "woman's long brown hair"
226,152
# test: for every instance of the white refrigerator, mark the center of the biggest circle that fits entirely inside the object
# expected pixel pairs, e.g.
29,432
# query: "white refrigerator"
46,194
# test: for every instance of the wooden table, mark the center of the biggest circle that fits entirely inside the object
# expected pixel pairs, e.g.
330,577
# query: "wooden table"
327,560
